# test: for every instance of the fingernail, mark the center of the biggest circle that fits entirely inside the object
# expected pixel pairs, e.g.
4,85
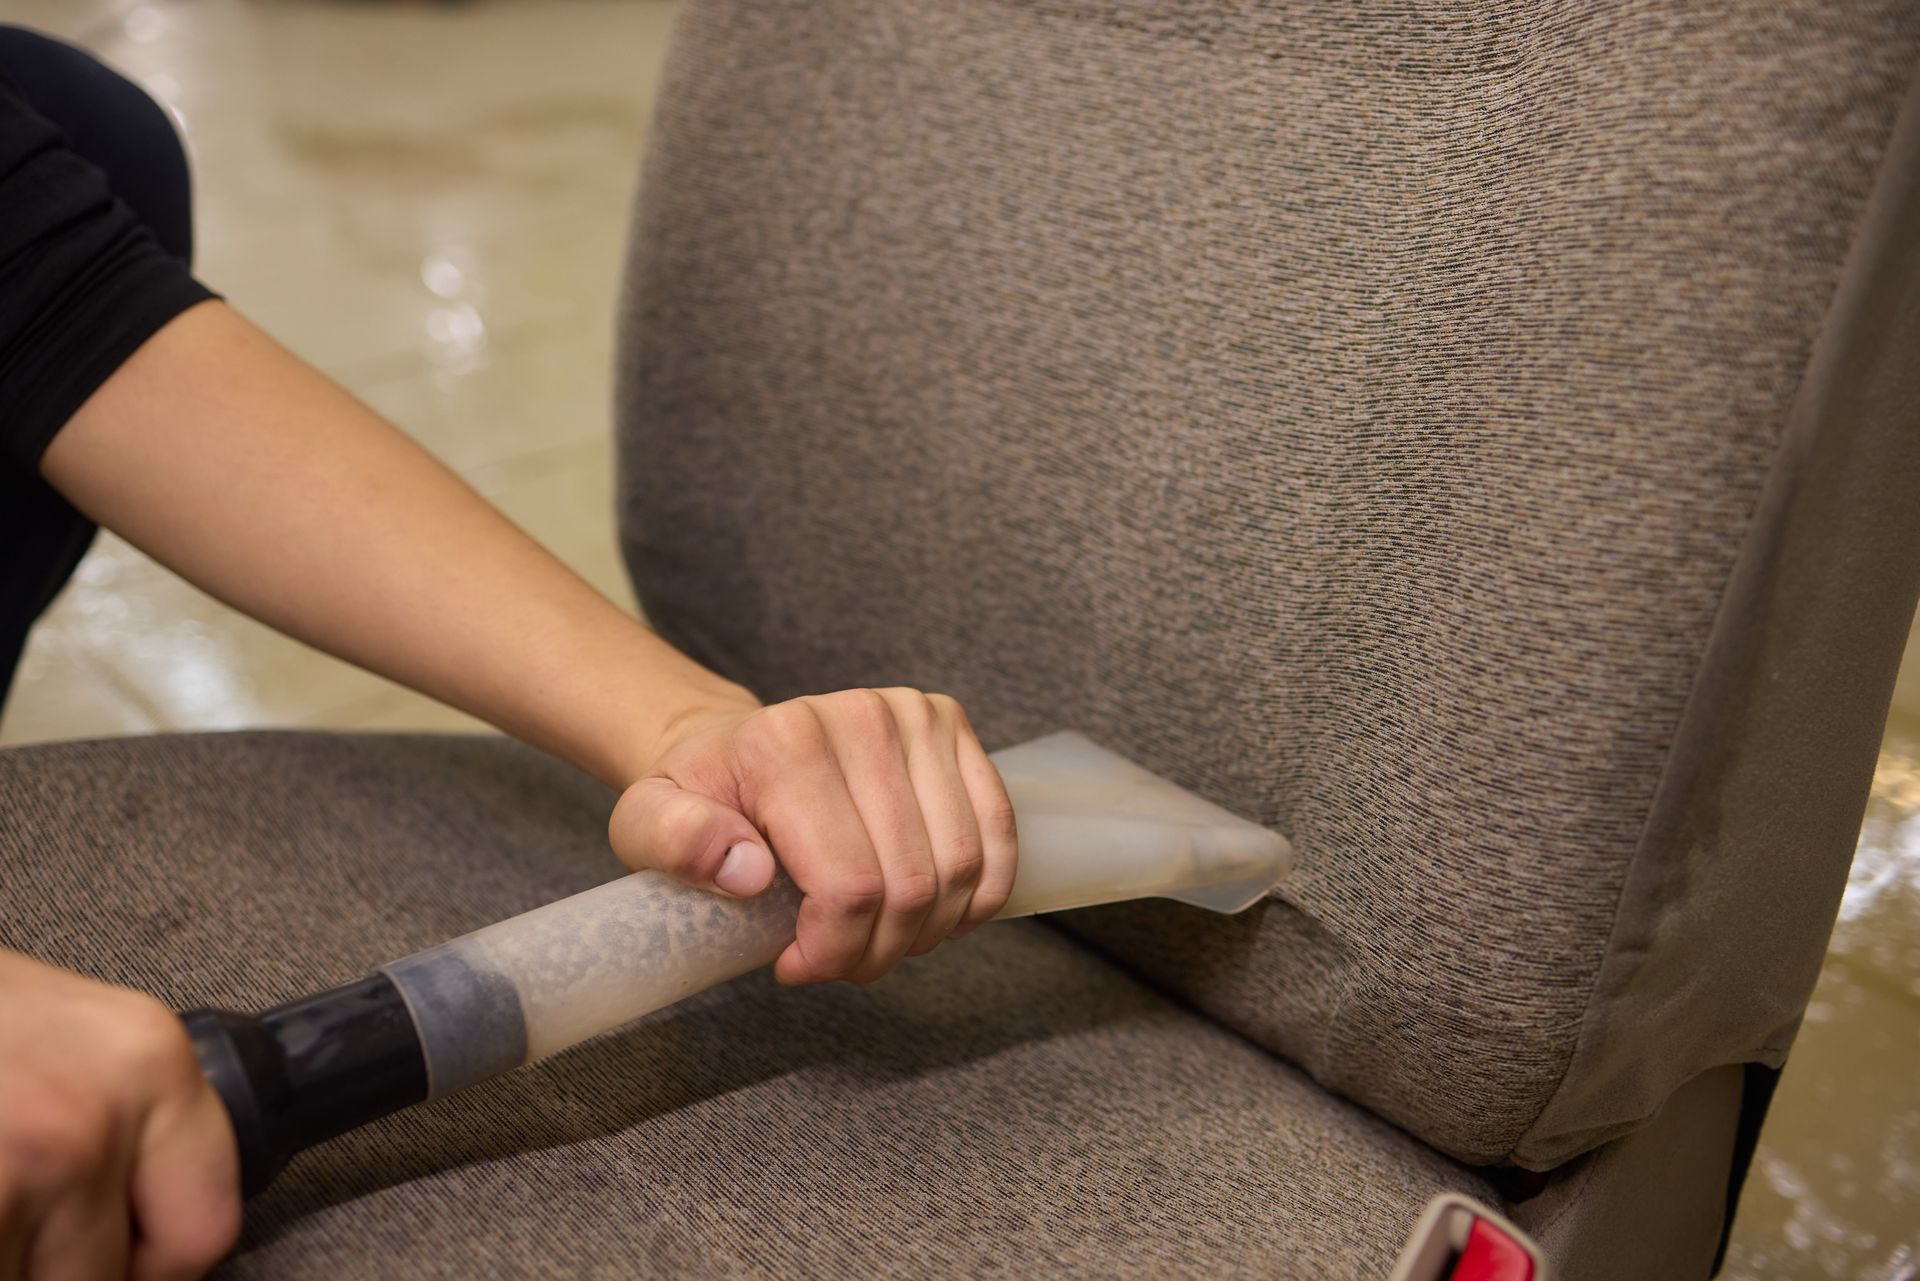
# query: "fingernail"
745,871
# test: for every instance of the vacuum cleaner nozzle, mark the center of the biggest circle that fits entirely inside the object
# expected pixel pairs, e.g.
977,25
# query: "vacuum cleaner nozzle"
1094,828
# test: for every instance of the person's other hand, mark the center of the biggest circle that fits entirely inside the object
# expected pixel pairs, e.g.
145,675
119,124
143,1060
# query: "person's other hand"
116,1157
880,804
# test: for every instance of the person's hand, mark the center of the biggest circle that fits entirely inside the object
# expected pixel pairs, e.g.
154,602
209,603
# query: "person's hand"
116,1157
880,804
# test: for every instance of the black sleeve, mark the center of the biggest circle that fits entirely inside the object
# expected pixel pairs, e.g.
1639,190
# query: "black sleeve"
83,281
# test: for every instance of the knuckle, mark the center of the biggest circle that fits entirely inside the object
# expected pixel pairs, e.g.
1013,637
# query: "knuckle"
986,904
997,821
855,894
53,1137
800,973
189,1244
155,1043
914,710
207,1238
866,711
790,727
911,893
680,824
966,860
948,709
809,964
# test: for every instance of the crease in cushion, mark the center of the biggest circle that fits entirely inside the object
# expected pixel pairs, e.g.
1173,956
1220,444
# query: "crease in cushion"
1356,420
1009,1106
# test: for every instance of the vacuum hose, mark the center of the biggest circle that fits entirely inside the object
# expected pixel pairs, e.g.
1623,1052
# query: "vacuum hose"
1094,828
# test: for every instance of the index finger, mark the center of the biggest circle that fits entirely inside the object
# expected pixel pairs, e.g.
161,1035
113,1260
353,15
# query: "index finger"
820,839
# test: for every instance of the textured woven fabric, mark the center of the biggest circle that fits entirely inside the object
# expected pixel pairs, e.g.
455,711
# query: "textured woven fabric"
1354,413
1010,1106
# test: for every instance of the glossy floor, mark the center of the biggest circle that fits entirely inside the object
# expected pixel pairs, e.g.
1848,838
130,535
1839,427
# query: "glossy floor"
428,201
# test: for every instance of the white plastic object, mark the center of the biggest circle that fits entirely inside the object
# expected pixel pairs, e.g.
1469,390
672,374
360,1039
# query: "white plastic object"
1093,828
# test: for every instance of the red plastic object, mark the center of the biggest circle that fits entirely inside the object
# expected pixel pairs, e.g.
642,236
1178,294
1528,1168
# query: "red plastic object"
1491,1255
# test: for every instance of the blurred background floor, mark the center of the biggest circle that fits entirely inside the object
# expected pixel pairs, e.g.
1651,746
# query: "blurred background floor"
429,202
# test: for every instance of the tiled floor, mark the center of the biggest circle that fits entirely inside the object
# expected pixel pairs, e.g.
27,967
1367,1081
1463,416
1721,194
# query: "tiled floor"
428,201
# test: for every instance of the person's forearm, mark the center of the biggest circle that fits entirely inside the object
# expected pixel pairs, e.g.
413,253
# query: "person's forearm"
251,475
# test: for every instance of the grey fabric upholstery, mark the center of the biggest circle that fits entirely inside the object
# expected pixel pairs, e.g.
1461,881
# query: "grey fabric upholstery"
1650,1204
1013,1106
1739,872
1443,432
1359,415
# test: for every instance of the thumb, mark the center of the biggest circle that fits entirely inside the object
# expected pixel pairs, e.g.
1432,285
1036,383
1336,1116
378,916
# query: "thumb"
660,825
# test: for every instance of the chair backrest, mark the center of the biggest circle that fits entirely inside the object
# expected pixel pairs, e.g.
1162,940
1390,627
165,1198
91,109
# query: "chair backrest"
1391,421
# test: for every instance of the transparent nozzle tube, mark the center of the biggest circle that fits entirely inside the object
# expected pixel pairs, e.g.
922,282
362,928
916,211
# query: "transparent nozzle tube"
537,983
1093,827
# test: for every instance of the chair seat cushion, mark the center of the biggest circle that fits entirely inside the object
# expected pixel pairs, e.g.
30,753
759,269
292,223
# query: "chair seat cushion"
1012,1105
1359,414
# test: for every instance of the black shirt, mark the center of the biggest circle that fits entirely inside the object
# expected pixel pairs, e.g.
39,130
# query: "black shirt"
94,243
